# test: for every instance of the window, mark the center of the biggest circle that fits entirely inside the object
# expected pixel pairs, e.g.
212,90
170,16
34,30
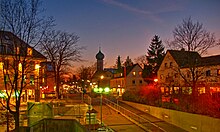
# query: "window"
134,73
218,72
165,65
133,81
140,81
17,50
1,65
171,64
49,67
176,75
31,79
24,79
161,76
20,67
208,73
2,49
188,74
140,73
6,78
29,51
6,64
32,65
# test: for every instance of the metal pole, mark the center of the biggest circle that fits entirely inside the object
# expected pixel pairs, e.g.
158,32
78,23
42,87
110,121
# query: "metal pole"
117,103
101,108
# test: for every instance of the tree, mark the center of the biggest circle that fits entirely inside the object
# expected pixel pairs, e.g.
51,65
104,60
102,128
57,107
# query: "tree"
118,65
128,62
17,69
23,19
85,76
61,49
155,55
85,73
192,36
141,60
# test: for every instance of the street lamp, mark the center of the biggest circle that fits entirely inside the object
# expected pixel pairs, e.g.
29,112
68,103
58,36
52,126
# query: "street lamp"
101,91
37,90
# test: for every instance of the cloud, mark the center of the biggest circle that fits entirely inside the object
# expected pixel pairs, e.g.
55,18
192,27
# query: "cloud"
133,9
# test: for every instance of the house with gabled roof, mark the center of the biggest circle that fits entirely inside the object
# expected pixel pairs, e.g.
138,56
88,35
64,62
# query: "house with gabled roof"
16,55
129,79
180,70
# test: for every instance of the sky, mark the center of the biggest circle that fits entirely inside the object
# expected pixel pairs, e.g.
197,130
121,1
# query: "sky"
126,27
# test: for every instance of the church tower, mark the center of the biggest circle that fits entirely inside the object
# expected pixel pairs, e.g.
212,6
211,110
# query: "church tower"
99,56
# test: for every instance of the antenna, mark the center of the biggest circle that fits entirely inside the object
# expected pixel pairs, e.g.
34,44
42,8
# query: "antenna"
99,47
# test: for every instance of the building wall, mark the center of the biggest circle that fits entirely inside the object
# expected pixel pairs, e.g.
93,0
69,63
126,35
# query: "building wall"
134,79
187,121
169,76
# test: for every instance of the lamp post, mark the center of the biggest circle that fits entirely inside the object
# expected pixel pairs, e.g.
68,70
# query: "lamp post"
37,90
101,91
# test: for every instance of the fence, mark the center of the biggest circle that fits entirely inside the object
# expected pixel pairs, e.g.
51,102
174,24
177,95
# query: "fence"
138,120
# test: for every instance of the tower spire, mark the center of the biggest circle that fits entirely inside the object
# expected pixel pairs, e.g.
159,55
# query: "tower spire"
100,56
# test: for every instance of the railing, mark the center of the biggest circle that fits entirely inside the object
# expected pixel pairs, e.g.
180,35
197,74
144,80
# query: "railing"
138,120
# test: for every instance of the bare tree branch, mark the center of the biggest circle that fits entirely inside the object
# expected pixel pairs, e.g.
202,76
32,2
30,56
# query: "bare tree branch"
192,37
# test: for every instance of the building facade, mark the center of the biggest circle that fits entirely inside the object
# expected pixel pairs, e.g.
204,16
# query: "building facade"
20,66
129,79
181,71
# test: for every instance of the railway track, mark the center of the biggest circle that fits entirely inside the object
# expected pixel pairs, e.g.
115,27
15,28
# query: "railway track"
143,119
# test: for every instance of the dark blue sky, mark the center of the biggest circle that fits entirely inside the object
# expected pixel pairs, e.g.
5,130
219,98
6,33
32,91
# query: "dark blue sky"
126,27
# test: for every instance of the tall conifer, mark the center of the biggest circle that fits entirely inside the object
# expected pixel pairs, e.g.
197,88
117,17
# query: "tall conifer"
155,54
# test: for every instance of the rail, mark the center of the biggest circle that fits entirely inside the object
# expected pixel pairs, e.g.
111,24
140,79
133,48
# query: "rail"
139,120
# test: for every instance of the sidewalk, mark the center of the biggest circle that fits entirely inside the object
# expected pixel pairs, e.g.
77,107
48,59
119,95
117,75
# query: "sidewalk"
116,121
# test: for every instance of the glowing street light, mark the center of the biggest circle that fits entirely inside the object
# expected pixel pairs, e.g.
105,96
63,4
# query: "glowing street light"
155,80
101,91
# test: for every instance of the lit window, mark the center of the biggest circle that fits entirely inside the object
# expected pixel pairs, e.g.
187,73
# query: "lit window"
37,66
134,73
29,51
218,72
140,73
20,67
1,65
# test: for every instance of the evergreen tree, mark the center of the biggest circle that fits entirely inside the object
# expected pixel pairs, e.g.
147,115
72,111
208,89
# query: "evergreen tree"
128,62
155,54
119,67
